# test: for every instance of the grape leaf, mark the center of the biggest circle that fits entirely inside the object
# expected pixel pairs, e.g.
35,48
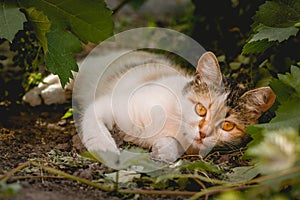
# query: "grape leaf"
274,33
287,90
282,91
273,22
292,79
243,173
89,20
137,161
279,13
257,46
287,115
41,26
11,19
59,59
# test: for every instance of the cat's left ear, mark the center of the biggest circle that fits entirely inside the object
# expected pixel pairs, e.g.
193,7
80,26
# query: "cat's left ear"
255,102
208,69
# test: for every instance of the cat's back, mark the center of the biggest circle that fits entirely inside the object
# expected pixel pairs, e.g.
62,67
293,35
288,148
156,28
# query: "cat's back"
103,74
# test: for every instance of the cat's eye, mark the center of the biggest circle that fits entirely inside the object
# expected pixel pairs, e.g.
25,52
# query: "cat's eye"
200,110
227,125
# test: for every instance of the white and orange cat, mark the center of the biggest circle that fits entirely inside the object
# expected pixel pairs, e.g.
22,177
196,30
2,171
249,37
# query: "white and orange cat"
160,106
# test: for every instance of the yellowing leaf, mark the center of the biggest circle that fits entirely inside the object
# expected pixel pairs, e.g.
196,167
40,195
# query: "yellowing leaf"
41,26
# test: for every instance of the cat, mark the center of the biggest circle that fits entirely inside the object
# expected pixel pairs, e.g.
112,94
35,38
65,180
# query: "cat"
162,107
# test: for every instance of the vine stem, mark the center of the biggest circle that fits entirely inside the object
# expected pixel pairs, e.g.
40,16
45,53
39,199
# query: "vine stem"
74,178
222,185
9,174
219,189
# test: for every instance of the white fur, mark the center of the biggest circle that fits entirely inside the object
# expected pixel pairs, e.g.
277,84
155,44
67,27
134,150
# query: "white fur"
145,101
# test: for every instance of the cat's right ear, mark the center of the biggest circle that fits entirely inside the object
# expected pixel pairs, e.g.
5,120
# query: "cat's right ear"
208,69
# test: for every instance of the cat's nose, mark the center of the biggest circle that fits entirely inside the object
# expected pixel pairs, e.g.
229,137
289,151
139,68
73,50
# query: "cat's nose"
202,135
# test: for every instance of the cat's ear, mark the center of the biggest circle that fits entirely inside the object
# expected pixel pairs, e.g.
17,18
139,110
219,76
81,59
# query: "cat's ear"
256,102
208,69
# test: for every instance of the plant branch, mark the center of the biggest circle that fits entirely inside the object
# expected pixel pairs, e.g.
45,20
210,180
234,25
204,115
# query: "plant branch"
9,174
74,178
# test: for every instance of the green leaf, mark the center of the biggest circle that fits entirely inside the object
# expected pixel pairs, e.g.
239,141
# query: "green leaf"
68,114
243,173
273,22
274,33
59,59
124,176
278,150
89,20
201,166
287,115
133,159
287,89
7,190
283,92
40,24
278,13
11,19
292,79
257,46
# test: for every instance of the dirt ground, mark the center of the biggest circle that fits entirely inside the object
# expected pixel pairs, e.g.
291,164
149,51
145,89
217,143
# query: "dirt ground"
31,133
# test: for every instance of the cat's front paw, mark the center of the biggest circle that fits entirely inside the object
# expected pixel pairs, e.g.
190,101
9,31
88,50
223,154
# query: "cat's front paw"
166,149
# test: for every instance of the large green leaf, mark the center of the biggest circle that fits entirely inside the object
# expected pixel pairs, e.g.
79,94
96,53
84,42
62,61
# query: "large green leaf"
40,24
274,33
257,46
11,19
287,115
283,92
292,79
59,59
288,93
89,20
273,22
278,13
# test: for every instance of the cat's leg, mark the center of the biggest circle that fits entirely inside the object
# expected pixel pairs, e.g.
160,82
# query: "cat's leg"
94,132
167,149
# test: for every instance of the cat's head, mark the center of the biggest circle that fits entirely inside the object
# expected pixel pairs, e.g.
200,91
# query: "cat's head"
220,112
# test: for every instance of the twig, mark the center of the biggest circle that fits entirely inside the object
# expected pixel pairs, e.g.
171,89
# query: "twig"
36,177
9,174
202,178
219,189
158,192
74,178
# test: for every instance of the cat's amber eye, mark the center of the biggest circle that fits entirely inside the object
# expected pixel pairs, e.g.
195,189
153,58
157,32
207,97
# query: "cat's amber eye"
200,110
227,125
